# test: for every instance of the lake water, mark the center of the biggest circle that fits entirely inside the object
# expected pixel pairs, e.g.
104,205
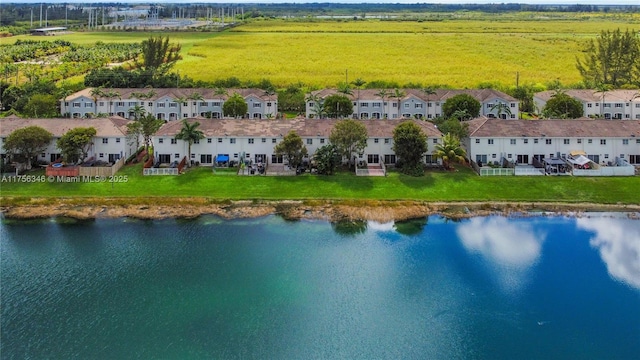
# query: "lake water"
483,288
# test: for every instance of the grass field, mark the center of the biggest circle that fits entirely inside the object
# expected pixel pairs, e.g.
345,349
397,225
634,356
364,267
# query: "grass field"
454,52
463,185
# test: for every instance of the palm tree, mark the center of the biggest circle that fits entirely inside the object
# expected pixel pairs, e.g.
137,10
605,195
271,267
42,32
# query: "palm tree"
110,95
429,91
461,115
269,93
318,106
195,97
358,83
96,93
384,93
344,88
190,133
501,108
602,88
137,111
180,100
449,150
398,94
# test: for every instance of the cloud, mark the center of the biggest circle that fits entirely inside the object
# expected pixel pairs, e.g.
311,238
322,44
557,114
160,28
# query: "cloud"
618,241
510,248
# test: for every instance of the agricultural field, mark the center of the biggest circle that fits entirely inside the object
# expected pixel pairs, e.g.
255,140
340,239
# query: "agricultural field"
455,50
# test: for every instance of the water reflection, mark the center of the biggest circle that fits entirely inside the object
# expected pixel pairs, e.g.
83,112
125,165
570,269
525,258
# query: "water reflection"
618,241
511,248
411,227
349,227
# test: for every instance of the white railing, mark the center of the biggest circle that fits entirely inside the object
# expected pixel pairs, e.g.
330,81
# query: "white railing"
160,171
489,171
606,171
528,171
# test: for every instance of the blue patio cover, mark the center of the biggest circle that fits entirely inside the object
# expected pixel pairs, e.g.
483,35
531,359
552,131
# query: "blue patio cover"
222,158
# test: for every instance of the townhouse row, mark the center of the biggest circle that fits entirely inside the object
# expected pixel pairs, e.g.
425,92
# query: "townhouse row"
612,104
166,104
490,140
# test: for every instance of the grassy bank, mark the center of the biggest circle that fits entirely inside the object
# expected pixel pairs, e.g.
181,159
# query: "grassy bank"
462,185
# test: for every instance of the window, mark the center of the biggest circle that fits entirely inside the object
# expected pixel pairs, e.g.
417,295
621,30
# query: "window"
373,158
406,106
606,156
579,141
625,141
634,159
490,141
117,140
386,141
321,141
618,105
526,141
375,141
390,159
273,141
105,140
512,116
603,141
493,156
418,106
275,159
535,141
607,105
219,140
150,103
509,156
250,141
257,105
161,140
512,141
66,103
204,103
395,105
235,156
193,156
101,155
566,141
268,104
264,140
76,104
173,105
377,105
364,104
88,105
435,140
477,141
101,103
512,105
176,155
174,141
208,141
196,141
589,105
489,106
232,141
590,141
215,104
120,103
547,141
309,141
161,105
311,104
637,141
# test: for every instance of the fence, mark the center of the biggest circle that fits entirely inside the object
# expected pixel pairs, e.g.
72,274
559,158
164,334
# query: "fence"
489,171
606,171
62,171
102,171
528,171
372,170
160,171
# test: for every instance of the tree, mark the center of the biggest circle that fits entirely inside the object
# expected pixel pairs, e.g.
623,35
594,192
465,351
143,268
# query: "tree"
450,151
96,93
602,89
190,133
235,106
410,145
429,91
454,126
149,125
137,111
344,88
563,106
358,83
180,100
110,95
461,102
195,97
26,143
350,137
501,109
317,109
292,148
327,159
40,105
134,131
611,59
338,106
158,55
75,144
399,94
384,94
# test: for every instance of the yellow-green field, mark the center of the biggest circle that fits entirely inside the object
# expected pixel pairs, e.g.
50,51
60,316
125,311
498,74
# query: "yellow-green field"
458,53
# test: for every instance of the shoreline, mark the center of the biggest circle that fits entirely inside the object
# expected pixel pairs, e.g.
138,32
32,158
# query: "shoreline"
331,210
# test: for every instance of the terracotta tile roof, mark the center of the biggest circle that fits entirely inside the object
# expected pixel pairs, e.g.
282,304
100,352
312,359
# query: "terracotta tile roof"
481,95
590,95
554,128
209,94
105,127
275,128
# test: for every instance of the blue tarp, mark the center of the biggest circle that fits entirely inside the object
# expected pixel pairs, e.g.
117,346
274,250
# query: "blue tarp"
222,158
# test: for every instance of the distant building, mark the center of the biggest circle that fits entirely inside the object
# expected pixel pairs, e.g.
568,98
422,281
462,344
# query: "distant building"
50,31
613,104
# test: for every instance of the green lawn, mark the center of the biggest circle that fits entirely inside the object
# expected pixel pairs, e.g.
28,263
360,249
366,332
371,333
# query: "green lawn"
463,185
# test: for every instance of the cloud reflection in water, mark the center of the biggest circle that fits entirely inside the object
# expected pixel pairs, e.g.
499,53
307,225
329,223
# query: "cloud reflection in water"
511,248
618,241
